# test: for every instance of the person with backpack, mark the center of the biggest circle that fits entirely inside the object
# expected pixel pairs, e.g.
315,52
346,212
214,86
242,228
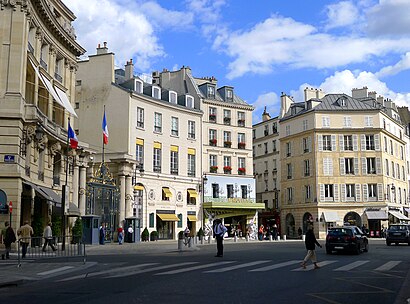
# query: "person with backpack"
9,238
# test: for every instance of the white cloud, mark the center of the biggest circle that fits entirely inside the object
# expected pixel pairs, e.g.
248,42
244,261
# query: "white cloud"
389,18
165,18
270,101
403,64
341,14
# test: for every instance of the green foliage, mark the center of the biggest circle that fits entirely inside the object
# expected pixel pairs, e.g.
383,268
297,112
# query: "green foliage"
201,232
154,235
56,227
38,225
145,235
77,231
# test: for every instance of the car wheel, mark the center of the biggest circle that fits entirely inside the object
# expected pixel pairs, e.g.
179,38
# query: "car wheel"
388,243
366,247
357,249
397,244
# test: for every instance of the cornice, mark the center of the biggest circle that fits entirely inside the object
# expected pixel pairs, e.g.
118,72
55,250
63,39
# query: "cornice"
228,104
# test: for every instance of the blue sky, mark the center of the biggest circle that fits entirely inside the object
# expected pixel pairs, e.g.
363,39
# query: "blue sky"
261,47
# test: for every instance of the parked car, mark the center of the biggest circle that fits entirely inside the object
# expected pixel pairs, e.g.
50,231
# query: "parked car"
398,233
346,238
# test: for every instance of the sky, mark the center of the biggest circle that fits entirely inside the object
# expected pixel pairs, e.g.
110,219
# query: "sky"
262,48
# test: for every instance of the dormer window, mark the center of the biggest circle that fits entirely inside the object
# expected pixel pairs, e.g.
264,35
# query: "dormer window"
189,102
138,86
172,97
211,92
156,92
342,102
229,95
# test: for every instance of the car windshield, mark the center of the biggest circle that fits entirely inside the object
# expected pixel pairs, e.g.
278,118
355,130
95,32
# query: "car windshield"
397,228
340,232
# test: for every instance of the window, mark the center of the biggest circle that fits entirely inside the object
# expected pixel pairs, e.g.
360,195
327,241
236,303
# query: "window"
174,160
227,139
328,166
370,142
227,117
348,142
372,191
156,92
350,191
288,149
166,194
211,91
151,220
273,145
212,137
212,114
266,147
241,140
325,121
213,160
157,122
327,143
371,165
215,190
387,167
241,119
308,192
241,165
289,194
229,191
191,129
368,121
174,126
328,191
289,170
139,153
229,95
173,97
287,130
227,161
244,191
189,102
140,117
275,127
157,158
347,122
191,164
391,147
306,144
305,125
266,131
349,165
306,167
138,86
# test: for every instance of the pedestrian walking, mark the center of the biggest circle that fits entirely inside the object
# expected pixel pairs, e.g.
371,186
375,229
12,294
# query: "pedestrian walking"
219,232
260,232
102,234
120,235
310,243
9,238
25,233
275,232
48,237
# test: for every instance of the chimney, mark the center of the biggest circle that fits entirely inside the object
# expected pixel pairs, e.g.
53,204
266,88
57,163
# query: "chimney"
102,50
265,115
359,93
313,93
129,70
155,77
285,104
372,94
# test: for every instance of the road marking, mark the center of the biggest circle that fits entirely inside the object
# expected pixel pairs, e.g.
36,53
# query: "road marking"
194,268
237,266
130,273
388,266
351,266
311,267
54,270
274,266
115,270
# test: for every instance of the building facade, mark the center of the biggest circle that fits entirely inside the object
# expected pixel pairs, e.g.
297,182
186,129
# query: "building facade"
343,161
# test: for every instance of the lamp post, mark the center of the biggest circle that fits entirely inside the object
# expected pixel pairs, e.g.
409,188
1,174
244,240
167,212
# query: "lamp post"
392,188
204,181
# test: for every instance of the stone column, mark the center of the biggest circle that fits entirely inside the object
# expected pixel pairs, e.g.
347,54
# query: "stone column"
129,196
75,184
82,191
121,209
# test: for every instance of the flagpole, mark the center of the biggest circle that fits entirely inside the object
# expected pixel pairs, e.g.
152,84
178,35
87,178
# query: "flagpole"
103,141
63,199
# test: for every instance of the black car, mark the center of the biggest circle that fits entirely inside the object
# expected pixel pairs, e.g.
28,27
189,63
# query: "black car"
346,238
398,233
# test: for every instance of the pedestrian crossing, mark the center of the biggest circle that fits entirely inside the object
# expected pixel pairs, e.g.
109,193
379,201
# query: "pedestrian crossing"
257,266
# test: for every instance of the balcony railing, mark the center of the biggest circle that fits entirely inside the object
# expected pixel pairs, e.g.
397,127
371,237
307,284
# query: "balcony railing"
241,145
43,64
227,120
227,144
212,117
58,77
212,142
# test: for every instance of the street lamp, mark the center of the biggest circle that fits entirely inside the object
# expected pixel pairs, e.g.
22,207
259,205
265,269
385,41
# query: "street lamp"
204,181
393,190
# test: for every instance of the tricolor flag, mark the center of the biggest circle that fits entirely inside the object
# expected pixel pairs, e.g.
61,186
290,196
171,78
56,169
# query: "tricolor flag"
72,137
105,130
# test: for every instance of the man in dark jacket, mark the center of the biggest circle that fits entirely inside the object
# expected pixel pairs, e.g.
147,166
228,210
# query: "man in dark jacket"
310,243
9,238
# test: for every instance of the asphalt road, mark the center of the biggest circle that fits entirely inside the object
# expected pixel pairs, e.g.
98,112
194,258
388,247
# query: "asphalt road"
259,272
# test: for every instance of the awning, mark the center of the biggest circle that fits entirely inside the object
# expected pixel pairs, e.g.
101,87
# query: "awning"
330,216
192,193
399,215
139,187
73,210
66,102
168,217
46,193
376,215
192,218
167,192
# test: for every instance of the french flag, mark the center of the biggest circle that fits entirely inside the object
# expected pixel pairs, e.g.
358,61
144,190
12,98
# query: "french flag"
105,130
72,137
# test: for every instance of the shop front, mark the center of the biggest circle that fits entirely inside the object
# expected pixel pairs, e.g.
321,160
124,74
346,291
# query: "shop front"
377,219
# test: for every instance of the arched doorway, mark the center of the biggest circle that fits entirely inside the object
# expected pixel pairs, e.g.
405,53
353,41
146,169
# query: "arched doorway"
290,225
352,218
307,220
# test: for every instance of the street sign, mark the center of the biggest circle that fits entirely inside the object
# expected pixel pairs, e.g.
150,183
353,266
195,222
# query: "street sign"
8,158
10,207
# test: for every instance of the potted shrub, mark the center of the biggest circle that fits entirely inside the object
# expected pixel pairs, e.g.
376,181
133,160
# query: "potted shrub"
77,231
201,233
145,235
241,170
227,169
154,236
227,144
212,142
241,145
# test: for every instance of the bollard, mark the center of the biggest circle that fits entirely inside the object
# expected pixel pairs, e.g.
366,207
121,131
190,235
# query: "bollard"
202,240
247,238
270,238
235,239
209,239
303,237
278,238
284,237
180,244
